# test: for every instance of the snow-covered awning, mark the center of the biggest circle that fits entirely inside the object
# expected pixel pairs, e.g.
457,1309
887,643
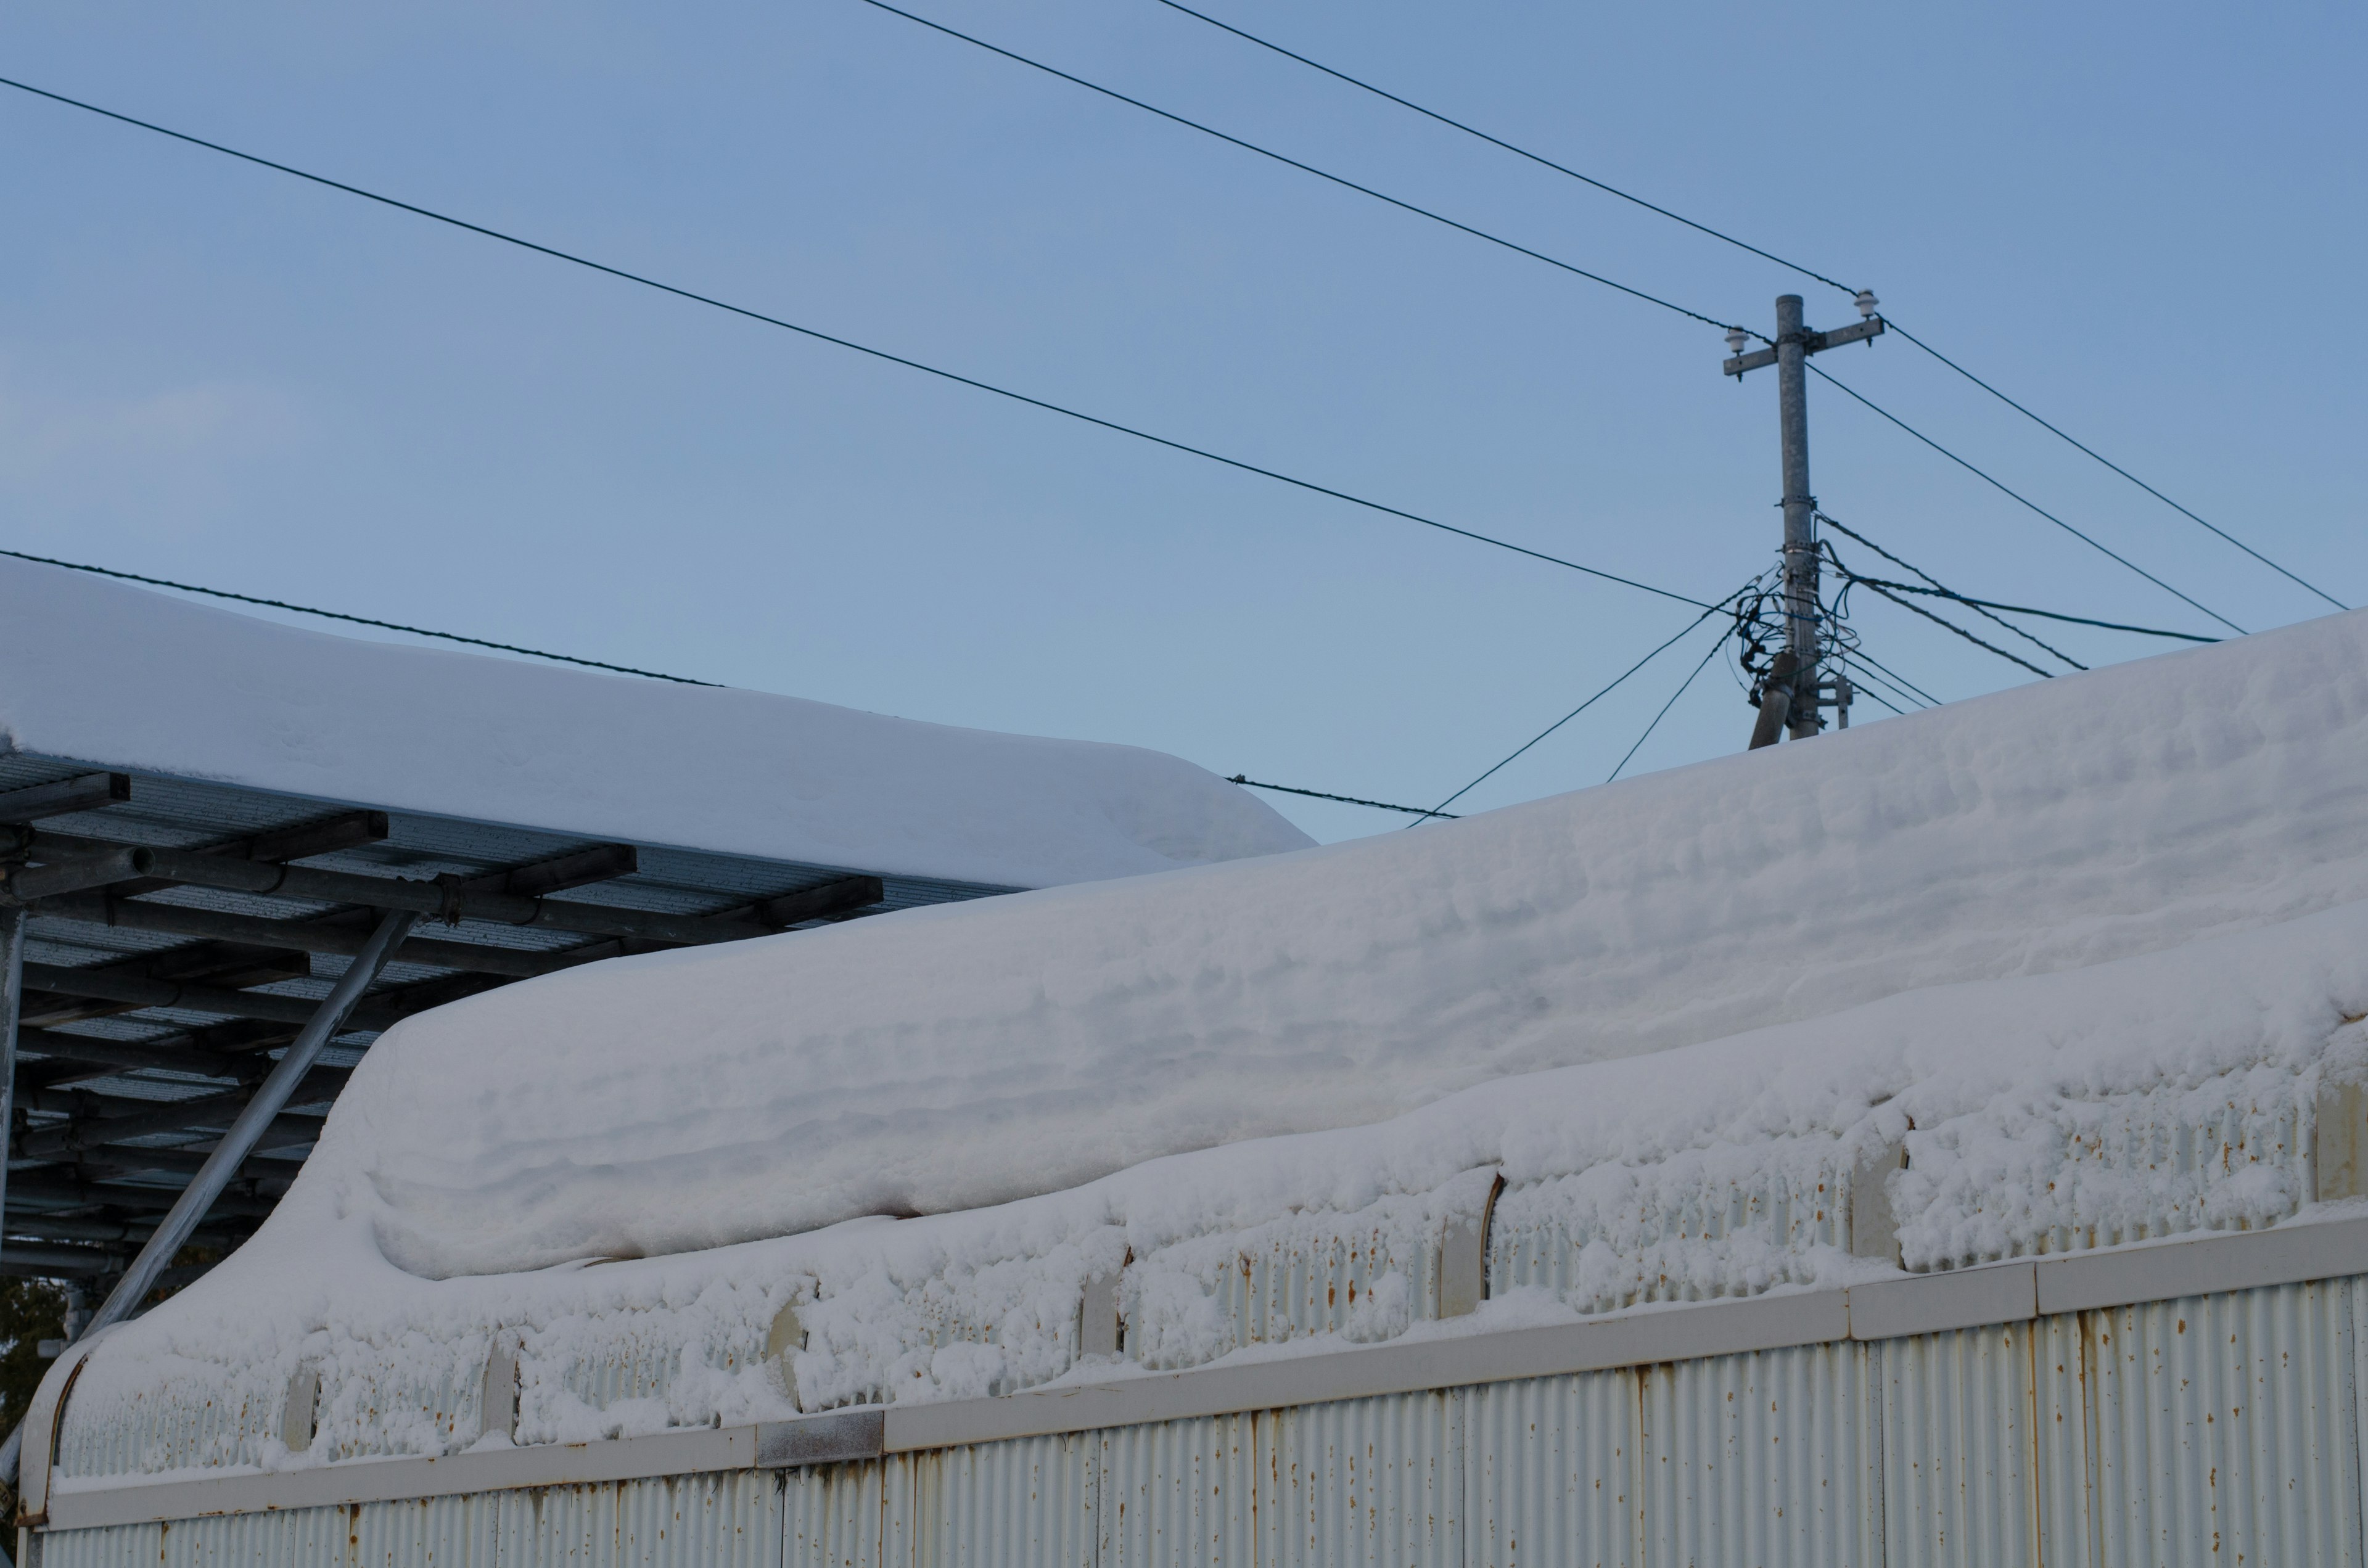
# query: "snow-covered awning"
280,789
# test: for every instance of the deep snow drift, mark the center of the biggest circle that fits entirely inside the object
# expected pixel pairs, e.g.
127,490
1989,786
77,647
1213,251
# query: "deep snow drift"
2092,949
121,677
967,1056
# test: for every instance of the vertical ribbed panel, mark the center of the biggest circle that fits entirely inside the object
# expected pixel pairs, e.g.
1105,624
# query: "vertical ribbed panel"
831,1514
1008,1505
1364,1480
1763,1461
1958,1433
1550,1467
103,1549
167,1430
1179,1494
2064,1470
1648,1239
447,1532
256,1541
2224,1428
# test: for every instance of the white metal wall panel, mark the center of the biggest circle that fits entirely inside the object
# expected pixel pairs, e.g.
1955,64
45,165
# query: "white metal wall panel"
1959,1430
440,1532
2224,1428
2064,1469
1181,1493
2211,1430
1550,1468
1762,1460
832,1514
1025,1503
1367,1482
257,1540
100,1549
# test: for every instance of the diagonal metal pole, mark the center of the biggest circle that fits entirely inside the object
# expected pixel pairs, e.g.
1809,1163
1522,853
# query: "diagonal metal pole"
237,1143
12,1007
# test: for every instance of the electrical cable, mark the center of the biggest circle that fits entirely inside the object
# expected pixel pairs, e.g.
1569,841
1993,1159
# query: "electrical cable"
1745,246
1868,692
2026,609
1976,642
1590,702
355,620
558,658
1507,146
1899,682
1979,607
1345,799
822,337
2110,463
2051,516
1672,702
1304,168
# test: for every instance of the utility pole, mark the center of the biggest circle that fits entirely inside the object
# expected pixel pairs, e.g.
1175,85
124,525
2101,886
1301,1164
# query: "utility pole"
1798,685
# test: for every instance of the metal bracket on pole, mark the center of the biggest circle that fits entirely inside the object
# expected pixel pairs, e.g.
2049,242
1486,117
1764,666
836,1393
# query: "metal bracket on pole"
220,1166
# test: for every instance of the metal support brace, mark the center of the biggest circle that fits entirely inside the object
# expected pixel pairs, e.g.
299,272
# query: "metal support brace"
237,1143
12,1000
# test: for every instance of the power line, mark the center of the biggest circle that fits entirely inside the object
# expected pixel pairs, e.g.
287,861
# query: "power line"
1304,168
2110,463
2051,516
1672,702
2026,609
1976,642
821,337
1507,146
1345,799
1726,238
1591,702
1900,683
1980,609
355,620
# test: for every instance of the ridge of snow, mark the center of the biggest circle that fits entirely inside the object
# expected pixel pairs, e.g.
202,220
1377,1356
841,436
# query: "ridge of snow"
961,1056
118,676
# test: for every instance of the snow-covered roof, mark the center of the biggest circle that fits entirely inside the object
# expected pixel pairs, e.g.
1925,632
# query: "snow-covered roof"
2091,950
121,677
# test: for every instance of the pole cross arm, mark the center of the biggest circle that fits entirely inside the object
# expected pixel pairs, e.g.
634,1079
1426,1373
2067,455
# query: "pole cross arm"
1810,342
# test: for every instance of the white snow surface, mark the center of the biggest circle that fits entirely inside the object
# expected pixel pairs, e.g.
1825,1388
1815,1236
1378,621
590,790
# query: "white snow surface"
121,677
966,1055
2041,929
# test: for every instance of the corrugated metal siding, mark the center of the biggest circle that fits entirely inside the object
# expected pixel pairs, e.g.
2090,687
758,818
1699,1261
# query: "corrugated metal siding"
1179,1494
1365,1480
2220,1430
1766,1459
1959,1422
1029,1502
1550,1471
2224,1428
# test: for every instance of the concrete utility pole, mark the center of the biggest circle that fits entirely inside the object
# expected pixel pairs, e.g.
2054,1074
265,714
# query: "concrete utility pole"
1796,684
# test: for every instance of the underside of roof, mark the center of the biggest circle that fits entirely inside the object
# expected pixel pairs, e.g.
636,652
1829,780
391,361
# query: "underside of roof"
181,932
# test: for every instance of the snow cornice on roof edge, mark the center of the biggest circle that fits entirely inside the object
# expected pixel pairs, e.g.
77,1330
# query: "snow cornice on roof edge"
121,677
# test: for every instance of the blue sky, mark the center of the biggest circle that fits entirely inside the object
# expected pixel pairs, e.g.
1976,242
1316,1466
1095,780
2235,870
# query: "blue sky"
2144,222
